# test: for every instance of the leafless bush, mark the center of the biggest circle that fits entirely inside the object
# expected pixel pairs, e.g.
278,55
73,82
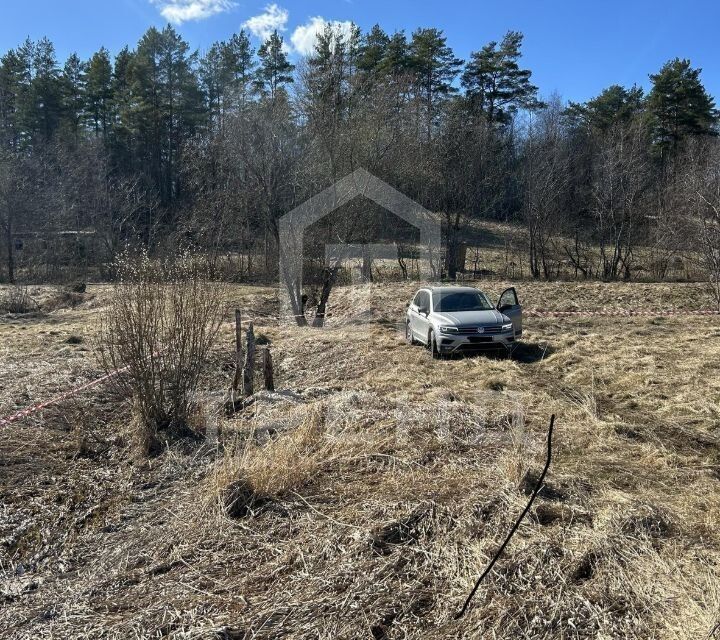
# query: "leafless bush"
17,300
159,327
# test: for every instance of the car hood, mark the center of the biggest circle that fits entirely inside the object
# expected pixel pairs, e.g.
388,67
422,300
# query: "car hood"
471,318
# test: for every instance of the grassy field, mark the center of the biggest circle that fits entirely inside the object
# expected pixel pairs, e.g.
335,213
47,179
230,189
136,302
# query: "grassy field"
365,496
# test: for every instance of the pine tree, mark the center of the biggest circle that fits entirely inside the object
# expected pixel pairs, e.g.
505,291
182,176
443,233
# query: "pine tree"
73,95
46,91
99,92
396,60
679,106
120,110
166,104
275,70
495,84
238,67
213,81
435,67
14,80
328,69
25,113
226,74
372,49
614,105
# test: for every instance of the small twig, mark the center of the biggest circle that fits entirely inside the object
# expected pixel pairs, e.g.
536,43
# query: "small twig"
327,517
538,486
713,631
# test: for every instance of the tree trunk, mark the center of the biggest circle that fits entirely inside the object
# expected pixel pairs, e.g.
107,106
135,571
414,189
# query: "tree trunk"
328,281
451,256
402,263
10,253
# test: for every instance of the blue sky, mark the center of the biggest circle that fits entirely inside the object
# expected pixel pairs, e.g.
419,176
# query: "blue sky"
573,47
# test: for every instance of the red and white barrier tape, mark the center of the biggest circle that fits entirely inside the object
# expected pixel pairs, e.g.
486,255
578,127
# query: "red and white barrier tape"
536,313
544,313
63,396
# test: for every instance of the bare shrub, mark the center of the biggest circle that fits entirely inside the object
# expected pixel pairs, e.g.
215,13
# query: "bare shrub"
17,300
159,327
64,298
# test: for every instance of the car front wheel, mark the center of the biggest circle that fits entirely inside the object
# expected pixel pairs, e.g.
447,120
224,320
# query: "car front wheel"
409,337
433,345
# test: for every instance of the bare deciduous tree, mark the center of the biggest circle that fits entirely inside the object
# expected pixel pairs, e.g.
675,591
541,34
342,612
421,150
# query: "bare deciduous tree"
620,186
545,179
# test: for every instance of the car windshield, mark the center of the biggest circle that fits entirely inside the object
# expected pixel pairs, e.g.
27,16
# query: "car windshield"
460,301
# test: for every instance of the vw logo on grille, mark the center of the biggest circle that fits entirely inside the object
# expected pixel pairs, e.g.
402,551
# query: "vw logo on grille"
481,329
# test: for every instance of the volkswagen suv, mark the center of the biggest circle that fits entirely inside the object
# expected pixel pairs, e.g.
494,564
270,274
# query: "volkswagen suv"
460,319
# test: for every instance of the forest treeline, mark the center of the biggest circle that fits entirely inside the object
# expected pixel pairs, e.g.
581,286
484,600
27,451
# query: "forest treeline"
160,146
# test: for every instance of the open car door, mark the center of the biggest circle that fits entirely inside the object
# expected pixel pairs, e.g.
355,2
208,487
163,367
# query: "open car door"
510,306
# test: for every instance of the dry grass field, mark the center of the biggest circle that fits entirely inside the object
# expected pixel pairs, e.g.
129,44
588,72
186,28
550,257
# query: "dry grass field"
363,498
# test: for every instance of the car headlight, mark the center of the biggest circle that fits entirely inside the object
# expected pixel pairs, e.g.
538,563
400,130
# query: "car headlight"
448,330
507,326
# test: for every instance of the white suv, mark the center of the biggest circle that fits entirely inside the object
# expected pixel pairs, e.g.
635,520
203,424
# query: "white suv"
454,319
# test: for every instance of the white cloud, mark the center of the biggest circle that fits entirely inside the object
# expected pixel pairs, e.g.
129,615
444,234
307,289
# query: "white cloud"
274,18
305,35
179,11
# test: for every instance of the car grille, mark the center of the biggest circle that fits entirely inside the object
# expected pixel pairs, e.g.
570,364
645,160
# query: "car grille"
491,330
482,346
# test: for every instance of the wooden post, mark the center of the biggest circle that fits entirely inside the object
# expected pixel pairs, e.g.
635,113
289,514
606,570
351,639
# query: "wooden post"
268,370
238,352
249,368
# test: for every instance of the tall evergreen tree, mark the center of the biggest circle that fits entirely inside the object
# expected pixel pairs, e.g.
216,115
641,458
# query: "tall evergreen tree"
120,111
238,65
396,58
99,92
496,85
226,74
213,81
328,68
46,91
435,67
14,80
166,104
614,105
372,49
74,78
679,106
274,70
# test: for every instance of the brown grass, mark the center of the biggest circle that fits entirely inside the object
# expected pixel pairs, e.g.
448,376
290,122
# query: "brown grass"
378,483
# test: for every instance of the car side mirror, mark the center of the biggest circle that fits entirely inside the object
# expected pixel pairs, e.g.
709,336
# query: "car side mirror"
503,307
424,310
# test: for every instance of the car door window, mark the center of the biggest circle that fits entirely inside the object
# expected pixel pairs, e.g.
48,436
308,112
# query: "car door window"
424,300
508,298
